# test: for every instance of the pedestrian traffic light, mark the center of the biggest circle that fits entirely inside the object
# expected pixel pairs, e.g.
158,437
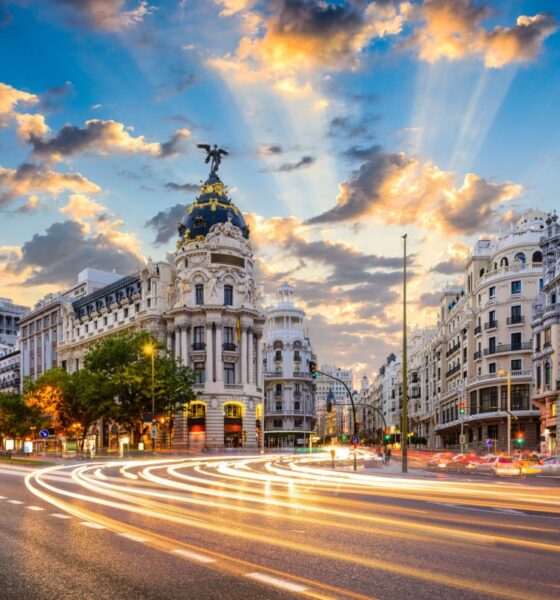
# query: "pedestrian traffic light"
313,369
461,408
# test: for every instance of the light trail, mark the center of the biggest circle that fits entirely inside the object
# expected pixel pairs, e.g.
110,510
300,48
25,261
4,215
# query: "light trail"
285,489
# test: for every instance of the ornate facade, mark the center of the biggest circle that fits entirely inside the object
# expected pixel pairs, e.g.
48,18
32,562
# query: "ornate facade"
289,389
204,308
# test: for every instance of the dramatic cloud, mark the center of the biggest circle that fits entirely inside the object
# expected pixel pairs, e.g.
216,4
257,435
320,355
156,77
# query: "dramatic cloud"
80,208
303,162
165,223
182,187
58,255
104,137
449,267
27,124
296,36
430,299
452,29
399,189
32,179
108,15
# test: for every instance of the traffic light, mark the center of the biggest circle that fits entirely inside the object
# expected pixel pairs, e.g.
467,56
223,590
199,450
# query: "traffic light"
389,438
313,369
461,408
344,437
520,438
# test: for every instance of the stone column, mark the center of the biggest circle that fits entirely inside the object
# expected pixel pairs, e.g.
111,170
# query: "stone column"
169,341
251,346
177,343
259,382
184,346
219,353
243,362
209,353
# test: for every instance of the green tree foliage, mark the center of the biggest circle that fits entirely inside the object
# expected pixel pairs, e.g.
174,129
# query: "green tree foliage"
72,401
17,419
123,359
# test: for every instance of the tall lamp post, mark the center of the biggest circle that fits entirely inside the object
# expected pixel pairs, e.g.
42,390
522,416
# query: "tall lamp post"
149,349
404,414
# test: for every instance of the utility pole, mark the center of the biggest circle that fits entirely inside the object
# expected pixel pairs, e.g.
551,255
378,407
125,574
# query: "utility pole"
404,414
509,451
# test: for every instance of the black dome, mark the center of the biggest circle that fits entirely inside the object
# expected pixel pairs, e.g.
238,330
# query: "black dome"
212,206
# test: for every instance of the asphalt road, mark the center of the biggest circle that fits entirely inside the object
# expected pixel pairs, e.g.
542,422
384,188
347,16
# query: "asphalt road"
272,527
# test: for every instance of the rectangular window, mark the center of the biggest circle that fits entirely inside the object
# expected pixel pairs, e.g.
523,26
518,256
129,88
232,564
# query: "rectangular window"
232,411
229,372
199,375
516,364
516,287
492,345
199,293
277,422
198,341
492,367
516,341
228,295
547,337
492,292
105,321
539,378
541,284
229,335
515,311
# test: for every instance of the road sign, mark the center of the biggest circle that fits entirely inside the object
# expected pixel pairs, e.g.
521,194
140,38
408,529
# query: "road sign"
154,431
489,442
462,439
355,441
44,433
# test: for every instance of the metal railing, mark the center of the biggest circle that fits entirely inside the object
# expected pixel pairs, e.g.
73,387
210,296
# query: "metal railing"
508,348
490,325
516,320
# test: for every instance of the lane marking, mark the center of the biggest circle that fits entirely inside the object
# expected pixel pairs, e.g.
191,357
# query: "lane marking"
194,555
34,508
277,582
92,525
133,537
15,501
2,497
510,511
60,516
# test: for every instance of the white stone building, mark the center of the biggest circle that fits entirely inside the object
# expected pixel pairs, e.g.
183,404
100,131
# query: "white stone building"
289,403
10,316
205,309
546,340
10,369
339,421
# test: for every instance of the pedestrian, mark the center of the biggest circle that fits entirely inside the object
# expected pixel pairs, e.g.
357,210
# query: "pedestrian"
388,454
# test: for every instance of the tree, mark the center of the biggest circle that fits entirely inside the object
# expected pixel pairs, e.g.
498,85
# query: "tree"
73,402
123,360
17,419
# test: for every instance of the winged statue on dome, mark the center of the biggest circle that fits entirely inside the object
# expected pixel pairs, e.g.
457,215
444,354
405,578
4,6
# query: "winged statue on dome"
213,156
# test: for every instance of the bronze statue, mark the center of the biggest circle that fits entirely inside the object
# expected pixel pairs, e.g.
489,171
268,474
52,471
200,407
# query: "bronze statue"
214,155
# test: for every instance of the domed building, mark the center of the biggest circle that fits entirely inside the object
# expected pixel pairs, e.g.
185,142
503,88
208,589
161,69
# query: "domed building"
204,307
215,325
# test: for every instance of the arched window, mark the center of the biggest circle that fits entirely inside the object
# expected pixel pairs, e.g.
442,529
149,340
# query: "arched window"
495,266
537,257
520,257
504,262
297,405
279,405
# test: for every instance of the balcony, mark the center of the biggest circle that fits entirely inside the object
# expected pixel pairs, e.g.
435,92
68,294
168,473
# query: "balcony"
500,348
477,330
198,346
229,347
302,375
273,374
490,325
525,373
453,370
233,386
452,350
477,355
516,320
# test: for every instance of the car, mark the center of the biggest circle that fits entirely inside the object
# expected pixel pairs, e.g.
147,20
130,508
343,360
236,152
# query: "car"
499,466
439,461
551,466
530,464
463,463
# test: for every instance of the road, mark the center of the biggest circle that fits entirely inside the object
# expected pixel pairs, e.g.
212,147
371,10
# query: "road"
272,527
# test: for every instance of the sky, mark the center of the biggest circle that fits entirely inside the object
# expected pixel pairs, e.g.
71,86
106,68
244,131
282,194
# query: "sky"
348,123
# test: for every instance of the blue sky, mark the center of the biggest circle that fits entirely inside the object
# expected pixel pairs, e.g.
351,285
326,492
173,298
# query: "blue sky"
348,123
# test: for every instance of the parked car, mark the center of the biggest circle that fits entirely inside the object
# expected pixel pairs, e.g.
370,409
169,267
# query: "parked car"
551,466
499,466
439,461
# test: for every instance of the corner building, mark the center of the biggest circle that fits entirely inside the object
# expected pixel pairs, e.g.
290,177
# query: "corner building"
215,326
289,388
204,308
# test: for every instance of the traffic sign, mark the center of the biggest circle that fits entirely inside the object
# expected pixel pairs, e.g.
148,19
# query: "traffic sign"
355,441
489,442
462,439
154,431
44,433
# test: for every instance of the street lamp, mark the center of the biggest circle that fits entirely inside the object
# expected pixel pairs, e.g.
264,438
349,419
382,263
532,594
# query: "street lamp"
404,413
149,349
502,373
